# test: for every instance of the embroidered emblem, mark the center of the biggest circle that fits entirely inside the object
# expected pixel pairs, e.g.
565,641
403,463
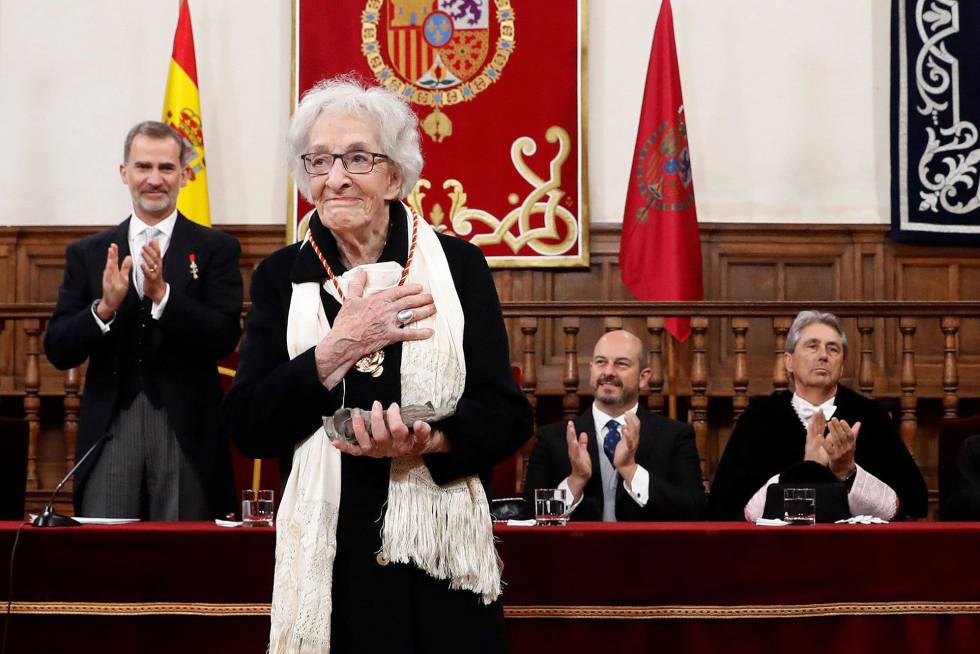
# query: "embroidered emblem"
663,172
436,53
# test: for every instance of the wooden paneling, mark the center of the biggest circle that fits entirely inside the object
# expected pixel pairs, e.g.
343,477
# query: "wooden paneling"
741,263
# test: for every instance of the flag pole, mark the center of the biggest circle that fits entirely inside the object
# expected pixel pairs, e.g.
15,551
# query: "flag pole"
671,377
256,474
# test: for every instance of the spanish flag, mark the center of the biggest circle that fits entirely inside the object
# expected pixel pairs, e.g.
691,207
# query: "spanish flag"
182,111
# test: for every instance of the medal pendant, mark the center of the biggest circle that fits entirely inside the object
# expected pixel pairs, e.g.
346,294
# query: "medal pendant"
371,363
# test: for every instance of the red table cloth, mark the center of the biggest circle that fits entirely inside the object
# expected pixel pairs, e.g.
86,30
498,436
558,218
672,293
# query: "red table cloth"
693,587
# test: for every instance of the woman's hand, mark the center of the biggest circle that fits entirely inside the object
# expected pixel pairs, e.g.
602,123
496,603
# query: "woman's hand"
365,325
392,438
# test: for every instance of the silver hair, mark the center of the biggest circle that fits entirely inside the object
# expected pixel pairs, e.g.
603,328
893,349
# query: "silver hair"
398,126
806,318
157,130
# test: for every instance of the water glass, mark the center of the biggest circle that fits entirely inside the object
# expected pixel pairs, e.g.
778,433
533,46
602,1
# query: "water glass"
549,506
799,506
257,508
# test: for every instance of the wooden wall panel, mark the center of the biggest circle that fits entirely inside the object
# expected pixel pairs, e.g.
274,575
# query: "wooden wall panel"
742,262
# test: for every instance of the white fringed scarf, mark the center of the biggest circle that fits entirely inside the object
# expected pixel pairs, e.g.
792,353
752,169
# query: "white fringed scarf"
445,531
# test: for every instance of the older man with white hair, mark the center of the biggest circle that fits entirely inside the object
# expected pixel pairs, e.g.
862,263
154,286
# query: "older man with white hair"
820,421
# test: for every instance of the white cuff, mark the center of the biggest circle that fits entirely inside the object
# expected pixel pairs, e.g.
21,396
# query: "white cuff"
104,326
639,488
871,496
573,504
757,505
157,309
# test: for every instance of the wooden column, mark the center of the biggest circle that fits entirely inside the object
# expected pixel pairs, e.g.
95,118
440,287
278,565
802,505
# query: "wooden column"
866,378
780,327
612,323
529,360
72,403
570,401
655,361
529,384
32,399
908,381
951,377
699,387
740,375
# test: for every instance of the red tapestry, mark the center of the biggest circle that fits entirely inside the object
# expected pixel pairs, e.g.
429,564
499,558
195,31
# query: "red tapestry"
498,88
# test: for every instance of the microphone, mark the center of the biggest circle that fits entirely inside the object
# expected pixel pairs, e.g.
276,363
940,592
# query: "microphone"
48,517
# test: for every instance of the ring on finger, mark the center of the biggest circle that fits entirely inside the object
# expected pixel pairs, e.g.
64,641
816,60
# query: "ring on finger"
152,268
404,317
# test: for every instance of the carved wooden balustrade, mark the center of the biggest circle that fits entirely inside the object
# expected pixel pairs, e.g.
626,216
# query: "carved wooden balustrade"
553,342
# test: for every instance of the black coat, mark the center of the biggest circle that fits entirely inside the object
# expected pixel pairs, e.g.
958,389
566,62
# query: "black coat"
667,451
963,502
275,402
769,437
173,359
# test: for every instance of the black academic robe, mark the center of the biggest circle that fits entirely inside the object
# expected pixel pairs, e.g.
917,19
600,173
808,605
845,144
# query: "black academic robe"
964,500
275,402
667,451
769,437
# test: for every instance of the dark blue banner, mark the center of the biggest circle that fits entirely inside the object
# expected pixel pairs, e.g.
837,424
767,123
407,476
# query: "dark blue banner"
935,100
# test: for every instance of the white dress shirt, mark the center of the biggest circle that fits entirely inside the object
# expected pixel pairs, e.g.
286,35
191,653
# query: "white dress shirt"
137,238
868,495
638,489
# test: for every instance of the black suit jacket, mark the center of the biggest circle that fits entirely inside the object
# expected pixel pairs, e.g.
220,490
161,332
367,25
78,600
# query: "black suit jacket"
667,451
175,361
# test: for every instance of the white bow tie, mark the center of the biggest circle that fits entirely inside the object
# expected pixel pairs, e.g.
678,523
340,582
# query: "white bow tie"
806,410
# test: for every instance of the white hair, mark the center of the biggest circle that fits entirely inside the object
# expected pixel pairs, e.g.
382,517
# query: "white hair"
397,124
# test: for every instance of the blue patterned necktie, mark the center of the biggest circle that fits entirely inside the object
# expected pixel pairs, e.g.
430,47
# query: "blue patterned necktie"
611,440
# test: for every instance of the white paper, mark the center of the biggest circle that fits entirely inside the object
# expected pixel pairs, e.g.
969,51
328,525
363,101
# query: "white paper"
227,523
863,520
98,521
775,522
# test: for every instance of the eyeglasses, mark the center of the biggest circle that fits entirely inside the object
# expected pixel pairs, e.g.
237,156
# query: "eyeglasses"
357,162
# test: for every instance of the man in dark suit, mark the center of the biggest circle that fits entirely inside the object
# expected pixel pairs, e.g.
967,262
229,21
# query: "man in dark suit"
152,329
625,464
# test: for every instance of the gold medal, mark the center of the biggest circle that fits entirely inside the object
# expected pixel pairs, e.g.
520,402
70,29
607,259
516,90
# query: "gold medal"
371,363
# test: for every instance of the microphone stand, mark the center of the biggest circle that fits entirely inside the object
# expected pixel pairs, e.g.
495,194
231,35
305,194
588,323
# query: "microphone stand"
48,517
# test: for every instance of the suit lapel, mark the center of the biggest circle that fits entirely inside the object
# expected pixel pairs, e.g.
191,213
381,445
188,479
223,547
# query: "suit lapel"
586,423
591,508
121,239
176,262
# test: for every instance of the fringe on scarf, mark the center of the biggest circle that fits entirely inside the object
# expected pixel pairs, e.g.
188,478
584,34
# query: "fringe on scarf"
445,531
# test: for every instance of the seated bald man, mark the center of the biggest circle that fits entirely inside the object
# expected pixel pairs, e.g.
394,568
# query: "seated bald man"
619,463
821,421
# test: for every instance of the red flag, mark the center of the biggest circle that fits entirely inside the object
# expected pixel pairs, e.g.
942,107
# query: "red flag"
660,249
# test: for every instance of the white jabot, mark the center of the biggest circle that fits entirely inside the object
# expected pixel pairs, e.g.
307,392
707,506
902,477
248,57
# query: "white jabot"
805,409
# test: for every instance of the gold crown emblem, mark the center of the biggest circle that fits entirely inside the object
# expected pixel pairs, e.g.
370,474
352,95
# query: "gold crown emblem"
188,124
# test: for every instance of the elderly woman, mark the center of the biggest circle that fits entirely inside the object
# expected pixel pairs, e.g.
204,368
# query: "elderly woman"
386,544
